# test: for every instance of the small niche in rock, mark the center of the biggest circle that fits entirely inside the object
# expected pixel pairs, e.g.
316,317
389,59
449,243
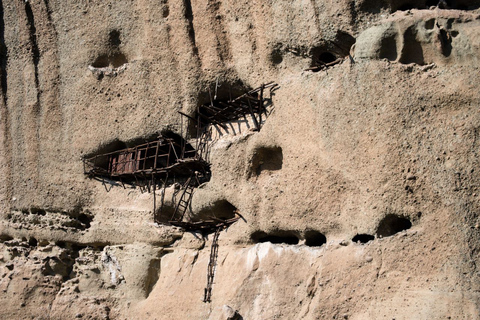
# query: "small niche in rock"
5,237
114,38
320,59
331,51
221,209
314,238
267,159
114,60
75,247
281,236
165,10
388,47
430,24
276,57
218,93
61,244
327,57
363,238
412,51
86,219
32,242
38,211
80,220
392,224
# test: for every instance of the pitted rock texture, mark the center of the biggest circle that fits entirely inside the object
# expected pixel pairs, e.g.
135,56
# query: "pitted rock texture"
359,196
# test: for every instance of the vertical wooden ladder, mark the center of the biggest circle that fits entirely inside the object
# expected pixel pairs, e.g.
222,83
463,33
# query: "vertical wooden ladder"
185,198
212,264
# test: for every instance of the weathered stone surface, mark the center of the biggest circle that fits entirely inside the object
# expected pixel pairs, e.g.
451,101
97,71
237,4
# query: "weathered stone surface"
383,144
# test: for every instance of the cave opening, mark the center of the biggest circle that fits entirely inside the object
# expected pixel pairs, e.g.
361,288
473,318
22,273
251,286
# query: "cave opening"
314,238
392,224
5,237
32,242
388,48
85,220
326,57
155,156
38,211
363,238
225,103
114,38
221,209
412,51
277,237
114,60
267,159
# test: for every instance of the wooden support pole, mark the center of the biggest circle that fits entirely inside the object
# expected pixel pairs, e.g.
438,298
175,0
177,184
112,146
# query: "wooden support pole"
253,116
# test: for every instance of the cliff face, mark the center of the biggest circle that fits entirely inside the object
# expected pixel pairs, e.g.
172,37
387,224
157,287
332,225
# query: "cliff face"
364,174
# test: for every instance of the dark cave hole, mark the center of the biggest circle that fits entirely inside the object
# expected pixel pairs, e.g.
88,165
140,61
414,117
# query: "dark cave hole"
327,57
76,247
5,237
80,220
412,49
219,91
314,238
111,60
32,242
331,50
101,160
61,244
363,238
392,224
114,38
221,209
430,24
267,159
405,7
388,48
431,3
165,10
446,43
277,237
320,59
276,57
38,211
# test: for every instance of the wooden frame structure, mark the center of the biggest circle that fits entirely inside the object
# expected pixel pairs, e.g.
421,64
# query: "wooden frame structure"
155,160
218,112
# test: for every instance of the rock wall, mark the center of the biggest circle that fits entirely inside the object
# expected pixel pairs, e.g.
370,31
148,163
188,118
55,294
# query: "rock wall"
359,195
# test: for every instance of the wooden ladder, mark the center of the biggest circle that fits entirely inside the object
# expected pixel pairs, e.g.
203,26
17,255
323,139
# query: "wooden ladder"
212,264
185,198
202,147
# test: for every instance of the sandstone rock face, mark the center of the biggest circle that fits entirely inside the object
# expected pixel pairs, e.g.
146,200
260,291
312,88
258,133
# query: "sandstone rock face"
359,196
